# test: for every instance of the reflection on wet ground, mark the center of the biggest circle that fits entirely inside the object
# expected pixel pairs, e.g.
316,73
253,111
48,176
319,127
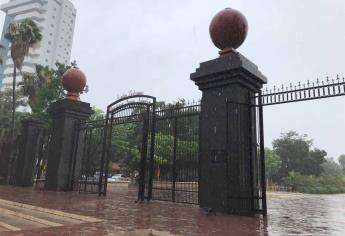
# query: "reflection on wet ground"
295,213
289,214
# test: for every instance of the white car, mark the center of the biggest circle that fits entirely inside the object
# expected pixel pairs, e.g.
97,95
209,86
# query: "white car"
116,178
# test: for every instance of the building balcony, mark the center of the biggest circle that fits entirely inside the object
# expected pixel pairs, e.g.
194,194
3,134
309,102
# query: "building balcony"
25,8
18,3
33,15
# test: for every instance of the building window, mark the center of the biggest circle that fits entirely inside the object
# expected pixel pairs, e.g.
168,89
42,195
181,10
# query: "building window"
46,60
49,42
52,25
48,51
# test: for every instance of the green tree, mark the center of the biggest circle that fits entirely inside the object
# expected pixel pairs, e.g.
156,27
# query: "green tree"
330,167
44,87
125,146
296,154
341,160
6,114
273,164
313,162
23,36
98,114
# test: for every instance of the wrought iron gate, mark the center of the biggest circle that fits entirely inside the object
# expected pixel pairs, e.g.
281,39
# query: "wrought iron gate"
176,154
161,144
140,111
86,166
246,187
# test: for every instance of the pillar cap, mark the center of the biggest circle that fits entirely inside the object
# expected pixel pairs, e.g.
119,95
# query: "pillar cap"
70,108
227,69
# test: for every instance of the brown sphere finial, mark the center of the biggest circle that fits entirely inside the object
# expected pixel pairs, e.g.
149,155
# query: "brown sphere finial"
74,82
228,30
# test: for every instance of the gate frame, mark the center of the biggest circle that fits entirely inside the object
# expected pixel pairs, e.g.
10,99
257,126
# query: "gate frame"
112,109
259,137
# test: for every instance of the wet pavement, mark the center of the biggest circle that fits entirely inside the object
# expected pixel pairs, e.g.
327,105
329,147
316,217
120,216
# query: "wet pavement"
288,214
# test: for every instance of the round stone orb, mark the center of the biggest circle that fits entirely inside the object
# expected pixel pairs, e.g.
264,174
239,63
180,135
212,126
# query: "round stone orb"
74,80
228,29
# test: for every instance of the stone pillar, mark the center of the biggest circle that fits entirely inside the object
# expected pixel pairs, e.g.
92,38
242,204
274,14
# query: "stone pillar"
227,147
64,114
27,150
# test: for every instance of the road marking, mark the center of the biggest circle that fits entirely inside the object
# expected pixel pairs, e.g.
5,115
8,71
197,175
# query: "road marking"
9,227
28,217
86,219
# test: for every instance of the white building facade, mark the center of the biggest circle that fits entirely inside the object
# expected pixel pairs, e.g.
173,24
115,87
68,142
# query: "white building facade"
55,18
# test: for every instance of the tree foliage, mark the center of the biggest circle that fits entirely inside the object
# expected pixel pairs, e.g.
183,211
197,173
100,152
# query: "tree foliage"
22,35
330,167
341,160
297,154
314,184
6,114
44,88
273,164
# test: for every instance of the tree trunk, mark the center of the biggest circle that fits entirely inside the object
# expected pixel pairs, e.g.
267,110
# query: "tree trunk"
12,138
13,102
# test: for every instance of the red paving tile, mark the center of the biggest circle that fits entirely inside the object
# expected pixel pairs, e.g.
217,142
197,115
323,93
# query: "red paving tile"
120,214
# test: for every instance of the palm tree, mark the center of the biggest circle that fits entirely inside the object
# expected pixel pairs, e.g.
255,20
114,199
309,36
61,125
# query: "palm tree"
23,36
1,56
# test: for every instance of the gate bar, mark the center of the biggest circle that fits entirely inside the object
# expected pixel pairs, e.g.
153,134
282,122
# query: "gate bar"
262,156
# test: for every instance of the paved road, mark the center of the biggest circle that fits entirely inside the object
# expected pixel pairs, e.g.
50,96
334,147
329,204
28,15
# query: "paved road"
289,214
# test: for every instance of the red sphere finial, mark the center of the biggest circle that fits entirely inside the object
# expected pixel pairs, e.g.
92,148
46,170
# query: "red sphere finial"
228,30
74,81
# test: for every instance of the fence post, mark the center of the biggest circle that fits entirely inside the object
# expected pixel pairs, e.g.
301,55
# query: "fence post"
174,160
225,130
229,85
27,150
65,113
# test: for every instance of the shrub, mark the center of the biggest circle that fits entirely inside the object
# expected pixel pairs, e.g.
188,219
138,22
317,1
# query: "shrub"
312,184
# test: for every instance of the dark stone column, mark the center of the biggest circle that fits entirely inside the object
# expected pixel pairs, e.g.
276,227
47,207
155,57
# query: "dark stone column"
64,113
27,151
227,131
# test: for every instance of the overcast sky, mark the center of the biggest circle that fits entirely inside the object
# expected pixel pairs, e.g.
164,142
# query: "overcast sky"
152,46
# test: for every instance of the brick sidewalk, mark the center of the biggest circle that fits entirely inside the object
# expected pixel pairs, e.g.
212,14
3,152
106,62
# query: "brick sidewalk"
121,214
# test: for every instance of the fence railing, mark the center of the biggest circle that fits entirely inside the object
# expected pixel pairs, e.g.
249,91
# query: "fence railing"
303,91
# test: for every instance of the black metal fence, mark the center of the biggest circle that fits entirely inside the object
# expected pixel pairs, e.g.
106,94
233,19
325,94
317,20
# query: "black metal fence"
303,91
41,158
156,149
5,151
176,154
87,156
245,168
